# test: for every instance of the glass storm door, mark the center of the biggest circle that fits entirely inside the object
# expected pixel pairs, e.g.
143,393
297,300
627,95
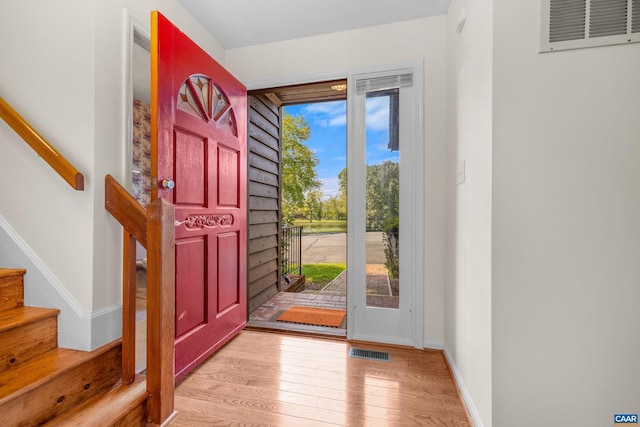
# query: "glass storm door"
382,175
199,164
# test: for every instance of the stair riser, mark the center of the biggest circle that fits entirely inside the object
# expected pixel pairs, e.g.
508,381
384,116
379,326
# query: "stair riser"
134,418
11,292
121,406
64,391
40,383
24,342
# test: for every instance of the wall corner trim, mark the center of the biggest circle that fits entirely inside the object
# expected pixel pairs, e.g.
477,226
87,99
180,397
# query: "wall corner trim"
466,395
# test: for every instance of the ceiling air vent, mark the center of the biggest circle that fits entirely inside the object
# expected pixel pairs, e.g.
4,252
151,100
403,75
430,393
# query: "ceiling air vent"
573,24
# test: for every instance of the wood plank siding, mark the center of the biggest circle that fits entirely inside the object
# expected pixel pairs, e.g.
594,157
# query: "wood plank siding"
264,200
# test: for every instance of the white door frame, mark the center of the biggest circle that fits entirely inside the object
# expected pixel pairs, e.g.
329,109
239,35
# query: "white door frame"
404,326
414,190
135,31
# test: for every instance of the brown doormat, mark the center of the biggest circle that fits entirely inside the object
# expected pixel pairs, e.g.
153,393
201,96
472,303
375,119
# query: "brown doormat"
313,316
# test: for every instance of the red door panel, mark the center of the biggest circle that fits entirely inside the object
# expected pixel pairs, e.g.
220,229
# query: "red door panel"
190,307
228,167
199,143
227,271
190,171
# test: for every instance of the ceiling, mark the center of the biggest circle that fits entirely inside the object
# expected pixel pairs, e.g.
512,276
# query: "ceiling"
240,23
333,90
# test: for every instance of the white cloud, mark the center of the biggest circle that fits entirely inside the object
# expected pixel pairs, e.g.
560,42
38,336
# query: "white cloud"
332,107
330,186
340,120
381,160
377,113
383,146
327,114
334,113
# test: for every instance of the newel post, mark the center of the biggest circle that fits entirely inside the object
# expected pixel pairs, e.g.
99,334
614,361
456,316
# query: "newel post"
160,309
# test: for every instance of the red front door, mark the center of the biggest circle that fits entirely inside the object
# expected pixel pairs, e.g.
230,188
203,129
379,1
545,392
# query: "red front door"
198,161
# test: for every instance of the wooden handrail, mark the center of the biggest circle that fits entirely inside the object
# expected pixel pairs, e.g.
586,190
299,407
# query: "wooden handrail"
41,146
154,229
129,213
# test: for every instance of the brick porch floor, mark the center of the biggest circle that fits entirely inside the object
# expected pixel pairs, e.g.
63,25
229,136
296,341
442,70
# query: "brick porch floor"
333,296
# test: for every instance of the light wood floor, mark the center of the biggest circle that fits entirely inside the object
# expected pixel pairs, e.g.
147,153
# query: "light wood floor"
263,378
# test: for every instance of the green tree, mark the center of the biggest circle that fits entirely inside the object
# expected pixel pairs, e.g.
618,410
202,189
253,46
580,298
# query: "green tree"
342,180
335,207
313,202
298,166
383,195
390,237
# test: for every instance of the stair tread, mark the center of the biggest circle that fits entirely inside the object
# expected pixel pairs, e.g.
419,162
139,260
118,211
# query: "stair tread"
23,315
10,272
106,408
11,288
40,369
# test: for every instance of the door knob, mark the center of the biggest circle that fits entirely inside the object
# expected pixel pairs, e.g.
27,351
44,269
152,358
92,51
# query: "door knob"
168,184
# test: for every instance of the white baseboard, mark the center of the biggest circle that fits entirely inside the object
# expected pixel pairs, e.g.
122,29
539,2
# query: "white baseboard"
434,345
106,325
473,412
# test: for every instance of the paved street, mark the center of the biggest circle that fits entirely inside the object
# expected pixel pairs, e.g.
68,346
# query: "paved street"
332,247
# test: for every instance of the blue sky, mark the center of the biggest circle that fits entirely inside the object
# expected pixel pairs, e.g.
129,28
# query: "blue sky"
328,124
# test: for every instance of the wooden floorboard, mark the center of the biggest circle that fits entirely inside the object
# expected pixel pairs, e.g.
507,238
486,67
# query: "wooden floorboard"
269,379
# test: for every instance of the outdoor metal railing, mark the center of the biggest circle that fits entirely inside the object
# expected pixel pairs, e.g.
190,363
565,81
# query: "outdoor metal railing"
291,250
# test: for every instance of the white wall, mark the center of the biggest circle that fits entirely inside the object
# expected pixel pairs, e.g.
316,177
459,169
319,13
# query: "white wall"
468,289
566,228
62,69
424,39
47,74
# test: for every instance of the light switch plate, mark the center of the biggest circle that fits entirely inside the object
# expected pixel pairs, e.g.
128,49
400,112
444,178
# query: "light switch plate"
460,172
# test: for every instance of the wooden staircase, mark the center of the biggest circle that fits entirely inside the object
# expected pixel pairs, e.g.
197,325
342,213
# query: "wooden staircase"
42,384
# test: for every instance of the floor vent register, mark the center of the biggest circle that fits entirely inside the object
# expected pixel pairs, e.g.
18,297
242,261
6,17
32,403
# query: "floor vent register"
359,353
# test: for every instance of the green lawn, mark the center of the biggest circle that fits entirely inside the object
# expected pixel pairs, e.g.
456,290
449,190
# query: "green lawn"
322,226
322,273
